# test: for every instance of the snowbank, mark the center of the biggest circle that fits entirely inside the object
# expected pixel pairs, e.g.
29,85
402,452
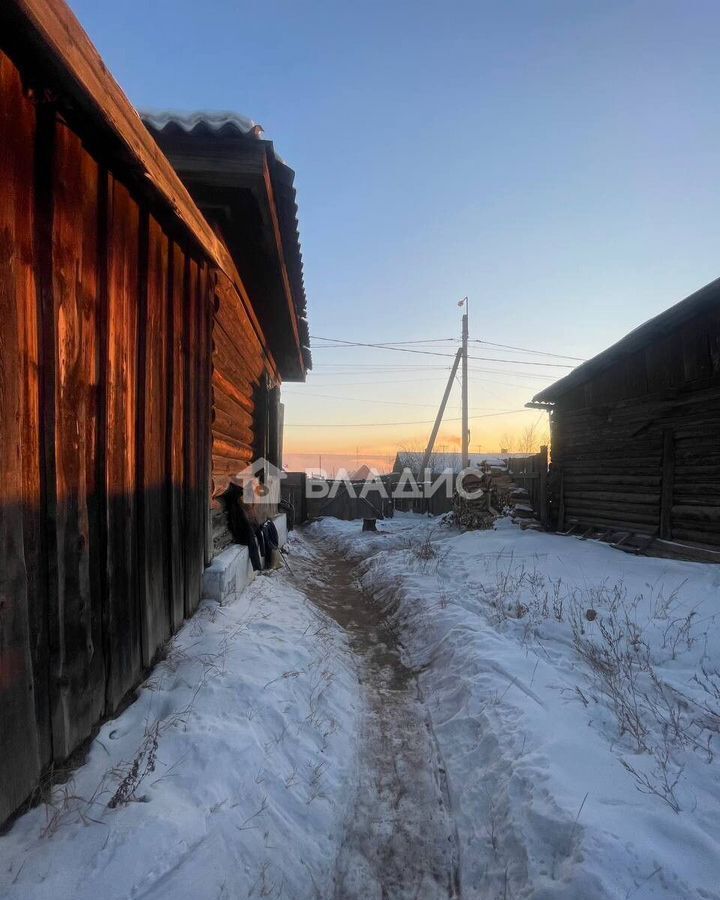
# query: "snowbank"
229,776
575,695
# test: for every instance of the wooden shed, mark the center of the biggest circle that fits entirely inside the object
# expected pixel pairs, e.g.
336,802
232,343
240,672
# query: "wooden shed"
146,329
636,430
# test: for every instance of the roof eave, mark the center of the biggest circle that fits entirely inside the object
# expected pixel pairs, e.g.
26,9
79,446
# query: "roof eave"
658,326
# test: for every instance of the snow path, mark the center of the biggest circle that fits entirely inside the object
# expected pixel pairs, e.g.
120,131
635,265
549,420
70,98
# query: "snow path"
245,742
400,839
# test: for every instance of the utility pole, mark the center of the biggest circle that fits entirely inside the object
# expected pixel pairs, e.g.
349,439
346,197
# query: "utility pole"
441,411
465,427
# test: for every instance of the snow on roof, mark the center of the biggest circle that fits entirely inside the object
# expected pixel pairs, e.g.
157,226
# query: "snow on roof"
215,121
439,462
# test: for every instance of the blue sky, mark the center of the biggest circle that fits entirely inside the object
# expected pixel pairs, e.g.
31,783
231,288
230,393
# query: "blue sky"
555,161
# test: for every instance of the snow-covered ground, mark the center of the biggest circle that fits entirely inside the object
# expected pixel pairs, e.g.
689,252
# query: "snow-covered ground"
229,776
575,695
574,701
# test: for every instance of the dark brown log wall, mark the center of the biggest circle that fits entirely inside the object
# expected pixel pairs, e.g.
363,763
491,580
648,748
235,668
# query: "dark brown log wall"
105,400
639,444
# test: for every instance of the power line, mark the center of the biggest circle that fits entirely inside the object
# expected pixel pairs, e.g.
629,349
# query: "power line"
449,340
435,380
372,366
352,368
514,362
373,400
505,412
526,350
391,344
353,399
379,369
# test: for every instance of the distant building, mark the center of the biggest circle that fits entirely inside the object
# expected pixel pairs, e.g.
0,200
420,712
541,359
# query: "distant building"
361,474
441,462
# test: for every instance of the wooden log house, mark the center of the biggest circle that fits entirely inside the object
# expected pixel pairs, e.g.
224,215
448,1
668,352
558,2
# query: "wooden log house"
636,430
145,330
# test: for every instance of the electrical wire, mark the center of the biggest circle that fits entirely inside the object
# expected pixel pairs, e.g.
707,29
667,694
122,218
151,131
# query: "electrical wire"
372,368
391,344
384,402
407,369
355,399
505,412
526,350
514,362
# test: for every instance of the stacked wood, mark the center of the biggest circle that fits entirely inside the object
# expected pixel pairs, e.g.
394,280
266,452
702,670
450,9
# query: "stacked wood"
497,495
490,492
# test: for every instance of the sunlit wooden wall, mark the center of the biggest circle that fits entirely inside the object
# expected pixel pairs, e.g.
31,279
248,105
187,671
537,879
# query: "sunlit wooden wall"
105,435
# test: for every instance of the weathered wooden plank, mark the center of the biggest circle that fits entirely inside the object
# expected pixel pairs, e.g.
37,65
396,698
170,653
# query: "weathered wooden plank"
154,501
207,304
584,467
192,550
687,457
232,368
228,418
697,513
228,466
590,517
78,664
24,126
227,447
632,484
19,748
222,385
236,341
698,488
695,350
610,513
123,610
696,535
229,292
176,292
698,472
668,475
621,497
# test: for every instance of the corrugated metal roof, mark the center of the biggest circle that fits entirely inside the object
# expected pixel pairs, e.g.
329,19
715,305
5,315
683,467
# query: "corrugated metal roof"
226,122
216,120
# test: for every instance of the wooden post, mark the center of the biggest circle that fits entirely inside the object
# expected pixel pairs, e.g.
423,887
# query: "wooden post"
668,478
465,427
561,504
542,487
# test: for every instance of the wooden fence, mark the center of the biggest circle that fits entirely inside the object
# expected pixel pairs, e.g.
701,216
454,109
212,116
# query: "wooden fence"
531,472
346,502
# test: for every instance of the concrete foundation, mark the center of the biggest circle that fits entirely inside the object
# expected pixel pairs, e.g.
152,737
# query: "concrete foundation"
231,571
